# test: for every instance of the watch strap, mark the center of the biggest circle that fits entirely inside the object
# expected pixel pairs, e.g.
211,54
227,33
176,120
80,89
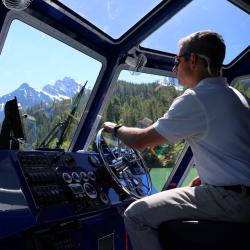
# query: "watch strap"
117,126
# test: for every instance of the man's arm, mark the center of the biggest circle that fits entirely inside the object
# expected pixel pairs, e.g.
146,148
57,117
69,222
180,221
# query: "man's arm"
136,138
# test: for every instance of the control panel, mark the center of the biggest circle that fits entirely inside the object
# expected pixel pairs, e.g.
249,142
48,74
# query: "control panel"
55,178
83,189
42,180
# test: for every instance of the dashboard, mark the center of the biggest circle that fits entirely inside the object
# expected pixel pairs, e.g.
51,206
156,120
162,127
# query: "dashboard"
52,197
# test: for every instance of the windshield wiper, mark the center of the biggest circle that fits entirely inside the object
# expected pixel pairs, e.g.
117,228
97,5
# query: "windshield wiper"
62,125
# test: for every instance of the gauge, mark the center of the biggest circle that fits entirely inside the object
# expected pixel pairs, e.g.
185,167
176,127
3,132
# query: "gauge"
90,190
92,176
84,176
76,177
104,198
67,177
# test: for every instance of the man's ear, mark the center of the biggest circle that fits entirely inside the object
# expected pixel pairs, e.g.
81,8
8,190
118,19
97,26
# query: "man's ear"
193,60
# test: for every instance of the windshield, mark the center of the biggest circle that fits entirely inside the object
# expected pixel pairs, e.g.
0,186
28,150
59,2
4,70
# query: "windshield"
51,81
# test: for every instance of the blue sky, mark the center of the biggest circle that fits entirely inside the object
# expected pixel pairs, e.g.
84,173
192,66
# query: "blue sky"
115,17
220,16
31,56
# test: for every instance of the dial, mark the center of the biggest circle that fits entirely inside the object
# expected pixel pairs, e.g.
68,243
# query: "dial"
67,177
92,176
104,198
76,177
90,190
84,176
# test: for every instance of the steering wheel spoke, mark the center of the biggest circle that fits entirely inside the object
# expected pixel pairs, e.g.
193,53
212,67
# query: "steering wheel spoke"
102,141
125,167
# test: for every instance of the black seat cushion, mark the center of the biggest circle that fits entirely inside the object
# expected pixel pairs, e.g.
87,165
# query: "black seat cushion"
204,235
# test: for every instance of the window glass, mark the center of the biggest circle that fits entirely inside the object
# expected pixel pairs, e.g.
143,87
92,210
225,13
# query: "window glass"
111,16
139,101
47,77
243,85
196,16
192,173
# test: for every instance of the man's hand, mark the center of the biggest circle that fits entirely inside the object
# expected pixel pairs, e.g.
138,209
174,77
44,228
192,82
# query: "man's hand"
195,182
108,127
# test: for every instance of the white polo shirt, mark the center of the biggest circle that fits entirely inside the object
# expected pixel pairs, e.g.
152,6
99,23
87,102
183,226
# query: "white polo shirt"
214,119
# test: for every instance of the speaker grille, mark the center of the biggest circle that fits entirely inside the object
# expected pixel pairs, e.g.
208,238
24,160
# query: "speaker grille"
106,243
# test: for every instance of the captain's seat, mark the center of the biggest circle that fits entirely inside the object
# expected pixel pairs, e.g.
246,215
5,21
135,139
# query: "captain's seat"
204,235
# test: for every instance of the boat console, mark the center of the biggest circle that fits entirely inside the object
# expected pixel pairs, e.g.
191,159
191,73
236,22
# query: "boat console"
64,199
45,192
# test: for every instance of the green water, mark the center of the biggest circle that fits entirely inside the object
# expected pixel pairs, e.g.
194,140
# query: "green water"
160,175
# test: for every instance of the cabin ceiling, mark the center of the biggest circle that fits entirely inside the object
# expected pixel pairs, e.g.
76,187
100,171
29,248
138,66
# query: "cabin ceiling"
114,27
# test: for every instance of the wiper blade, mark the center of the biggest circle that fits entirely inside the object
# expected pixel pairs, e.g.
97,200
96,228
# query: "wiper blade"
63,125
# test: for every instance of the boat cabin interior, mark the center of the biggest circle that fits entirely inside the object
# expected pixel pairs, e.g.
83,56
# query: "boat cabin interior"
66,67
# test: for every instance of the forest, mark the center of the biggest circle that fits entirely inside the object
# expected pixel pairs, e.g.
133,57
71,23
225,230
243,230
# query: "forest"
140,105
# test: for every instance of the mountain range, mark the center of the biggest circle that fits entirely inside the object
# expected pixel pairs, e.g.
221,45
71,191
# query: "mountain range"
27,96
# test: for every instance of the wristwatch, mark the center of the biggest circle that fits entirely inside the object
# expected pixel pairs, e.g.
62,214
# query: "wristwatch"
117,126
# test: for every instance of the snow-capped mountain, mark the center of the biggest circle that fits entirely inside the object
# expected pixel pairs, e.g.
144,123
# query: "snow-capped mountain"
27,96
63,88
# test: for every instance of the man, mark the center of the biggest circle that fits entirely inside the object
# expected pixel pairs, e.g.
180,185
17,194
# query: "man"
214,119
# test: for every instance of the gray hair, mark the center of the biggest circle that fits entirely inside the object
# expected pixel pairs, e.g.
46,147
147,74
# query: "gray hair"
207,43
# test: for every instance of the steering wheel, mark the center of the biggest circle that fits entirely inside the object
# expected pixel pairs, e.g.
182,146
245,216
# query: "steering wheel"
125,167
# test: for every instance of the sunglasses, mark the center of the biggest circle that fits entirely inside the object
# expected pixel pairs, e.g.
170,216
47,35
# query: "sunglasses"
176,59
